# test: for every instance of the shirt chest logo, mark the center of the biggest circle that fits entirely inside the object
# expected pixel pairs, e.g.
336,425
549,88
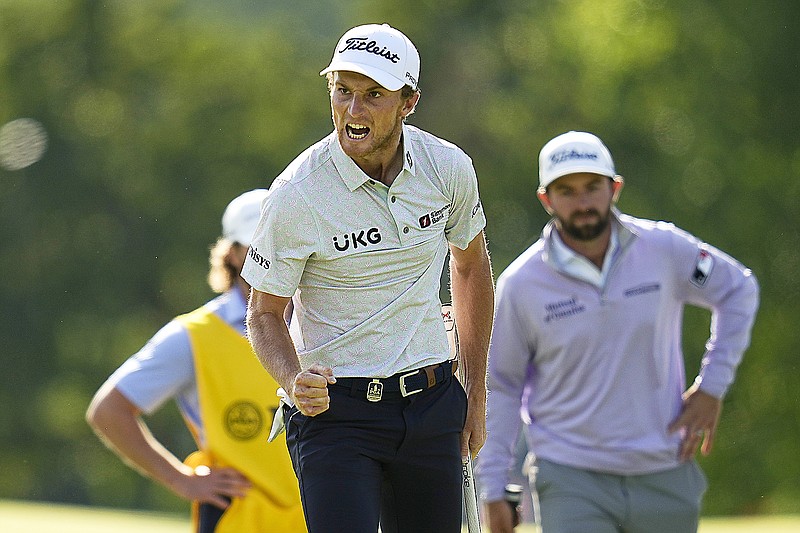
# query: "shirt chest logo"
356,239
563,309
642,289
433,217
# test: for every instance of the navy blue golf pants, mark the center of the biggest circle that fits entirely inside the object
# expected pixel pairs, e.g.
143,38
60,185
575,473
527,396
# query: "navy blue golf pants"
396,461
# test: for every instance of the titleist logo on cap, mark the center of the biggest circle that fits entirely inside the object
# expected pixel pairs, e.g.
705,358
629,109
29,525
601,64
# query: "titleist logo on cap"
372,47
566,155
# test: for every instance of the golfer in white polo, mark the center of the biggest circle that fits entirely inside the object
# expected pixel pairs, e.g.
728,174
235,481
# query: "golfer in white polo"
356,231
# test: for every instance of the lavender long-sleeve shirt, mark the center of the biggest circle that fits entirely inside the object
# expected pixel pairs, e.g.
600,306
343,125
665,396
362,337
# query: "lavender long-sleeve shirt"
596,373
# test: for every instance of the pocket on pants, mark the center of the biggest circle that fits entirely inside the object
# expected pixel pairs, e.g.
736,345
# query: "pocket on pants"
537,475
295,422
464,401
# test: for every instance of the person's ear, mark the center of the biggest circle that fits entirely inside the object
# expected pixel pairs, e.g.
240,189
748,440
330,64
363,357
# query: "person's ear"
409,105
617,182
545,200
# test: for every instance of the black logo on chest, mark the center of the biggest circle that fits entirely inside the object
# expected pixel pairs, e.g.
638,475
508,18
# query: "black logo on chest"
357,239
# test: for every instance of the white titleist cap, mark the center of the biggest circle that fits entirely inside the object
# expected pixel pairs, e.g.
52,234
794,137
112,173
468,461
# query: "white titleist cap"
380,52
241,217
573,152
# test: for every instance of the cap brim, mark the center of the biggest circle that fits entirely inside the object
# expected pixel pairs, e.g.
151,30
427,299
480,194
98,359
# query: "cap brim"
385,80
577,170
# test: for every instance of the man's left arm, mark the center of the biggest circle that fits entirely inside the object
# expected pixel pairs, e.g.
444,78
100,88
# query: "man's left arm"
716,281
472,289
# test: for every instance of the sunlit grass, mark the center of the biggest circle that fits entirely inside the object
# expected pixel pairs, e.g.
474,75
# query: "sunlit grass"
28,517
754,524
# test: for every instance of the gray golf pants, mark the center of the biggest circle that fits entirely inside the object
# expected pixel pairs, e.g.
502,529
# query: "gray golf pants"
571,500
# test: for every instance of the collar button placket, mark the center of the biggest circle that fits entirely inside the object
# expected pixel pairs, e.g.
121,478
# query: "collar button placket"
393,206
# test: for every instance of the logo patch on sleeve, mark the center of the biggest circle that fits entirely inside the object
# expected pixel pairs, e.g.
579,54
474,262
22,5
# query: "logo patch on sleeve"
702,268
260,260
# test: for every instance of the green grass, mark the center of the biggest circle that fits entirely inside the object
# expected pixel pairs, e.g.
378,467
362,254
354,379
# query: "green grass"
28,517
754,524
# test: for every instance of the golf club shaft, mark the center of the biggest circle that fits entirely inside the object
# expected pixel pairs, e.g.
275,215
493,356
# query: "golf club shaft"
470,499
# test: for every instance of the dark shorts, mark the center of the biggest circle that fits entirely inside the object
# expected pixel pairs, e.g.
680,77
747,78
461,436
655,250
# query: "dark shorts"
208,516
396,462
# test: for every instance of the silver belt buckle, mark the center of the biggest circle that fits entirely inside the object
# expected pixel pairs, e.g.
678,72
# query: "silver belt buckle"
405,392
375,390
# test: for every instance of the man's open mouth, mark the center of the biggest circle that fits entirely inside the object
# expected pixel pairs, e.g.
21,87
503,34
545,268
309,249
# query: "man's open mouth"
356,131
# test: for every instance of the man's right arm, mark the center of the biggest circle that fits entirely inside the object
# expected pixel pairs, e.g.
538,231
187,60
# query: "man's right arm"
269,336
509,357
116,421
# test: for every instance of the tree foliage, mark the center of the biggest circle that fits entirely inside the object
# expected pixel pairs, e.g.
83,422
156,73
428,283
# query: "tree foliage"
157,113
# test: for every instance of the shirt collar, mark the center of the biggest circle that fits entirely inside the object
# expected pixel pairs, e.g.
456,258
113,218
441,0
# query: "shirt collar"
564,254
353,176
560,255
576,265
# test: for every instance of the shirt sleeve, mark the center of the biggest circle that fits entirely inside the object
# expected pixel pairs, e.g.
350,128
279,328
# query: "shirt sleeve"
163,369
509,359
466,218
285,238
711,279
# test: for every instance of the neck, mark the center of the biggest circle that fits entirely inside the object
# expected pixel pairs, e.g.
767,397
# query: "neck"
383,171
244,288
385,165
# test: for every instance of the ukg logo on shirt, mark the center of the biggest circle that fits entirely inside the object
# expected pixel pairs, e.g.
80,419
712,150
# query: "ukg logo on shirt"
361,238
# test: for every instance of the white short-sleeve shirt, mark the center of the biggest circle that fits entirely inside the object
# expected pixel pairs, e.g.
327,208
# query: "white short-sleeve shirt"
363,260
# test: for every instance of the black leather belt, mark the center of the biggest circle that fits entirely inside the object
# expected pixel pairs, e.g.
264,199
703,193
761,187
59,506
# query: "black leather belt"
403,384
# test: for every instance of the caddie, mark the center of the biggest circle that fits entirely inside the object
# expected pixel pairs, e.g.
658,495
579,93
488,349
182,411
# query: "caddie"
236,481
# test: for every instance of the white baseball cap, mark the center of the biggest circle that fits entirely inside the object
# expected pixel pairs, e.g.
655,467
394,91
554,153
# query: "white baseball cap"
380,52
573,152
241,217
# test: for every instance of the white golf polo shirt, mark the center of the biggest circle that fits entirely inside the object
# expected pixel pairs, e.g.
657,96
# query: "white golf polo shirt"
364,260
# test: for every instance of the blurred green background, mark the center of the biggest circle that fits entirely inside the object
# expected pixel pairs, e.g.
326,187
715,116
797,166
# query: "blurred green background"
128,126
